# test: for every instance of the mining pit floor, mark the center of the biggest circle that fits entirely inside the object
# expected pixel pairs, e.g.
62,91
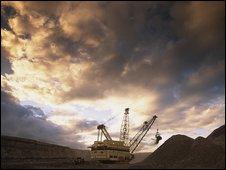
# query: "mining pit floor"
57,164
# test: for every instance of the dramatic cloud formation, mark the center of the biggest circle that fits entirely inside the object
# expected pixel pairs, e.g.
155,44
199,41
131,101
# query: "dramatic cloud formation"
77,64
30,122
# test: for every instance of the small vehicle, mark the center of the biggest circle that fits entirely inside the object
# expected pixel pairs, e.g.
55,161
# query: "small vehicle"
79,160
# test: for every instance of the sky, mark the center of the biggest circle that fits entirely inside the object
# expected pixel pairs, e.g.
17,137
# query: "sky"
68,66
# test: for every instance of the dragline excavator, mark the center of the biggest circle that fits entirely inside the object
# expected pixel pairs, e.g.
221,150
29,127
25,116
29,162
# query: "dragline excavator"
109,150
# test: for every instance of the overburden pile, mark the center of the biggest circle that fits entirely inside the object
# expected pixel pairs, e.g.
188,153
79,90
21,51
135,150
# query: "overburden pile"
184,152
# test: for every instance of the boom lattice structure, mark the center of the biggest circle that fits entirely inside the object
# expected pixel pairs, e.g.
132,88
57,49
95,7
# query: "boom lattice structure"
124,132
135,141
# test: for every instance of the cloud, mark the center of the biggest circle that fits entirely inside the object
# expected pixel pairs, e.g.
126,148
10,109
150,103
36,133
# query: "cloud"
31,122
191,19
87,125
5,63
165,58
7,12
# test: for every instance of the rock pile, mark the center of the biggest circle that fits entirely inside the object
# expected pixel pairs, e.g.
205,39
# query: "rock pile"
183,152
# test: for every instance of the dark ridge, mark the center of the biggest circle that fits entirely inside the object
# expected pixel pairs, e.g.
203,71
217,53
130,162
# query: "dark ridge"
26,153
182,152
217,132
6,139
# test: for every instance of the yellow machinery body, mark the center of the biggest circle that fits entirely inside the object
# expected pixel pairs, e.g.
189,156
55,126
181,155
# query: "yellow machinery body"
118,151
110,151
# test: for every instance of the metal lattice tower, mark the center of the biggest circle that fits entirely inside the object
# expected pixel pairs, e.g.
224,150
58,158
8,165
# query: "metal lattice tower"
124,132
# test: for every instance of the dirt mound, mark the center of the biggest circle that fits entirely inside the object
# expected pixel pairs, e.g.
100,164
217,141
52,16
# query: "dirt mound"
217,133
218,136
138,157
183,152
203,154
173,150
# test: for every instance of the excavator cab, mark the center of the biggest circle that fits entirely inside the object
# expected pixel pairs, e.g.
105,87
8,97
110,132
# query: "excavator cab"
157,137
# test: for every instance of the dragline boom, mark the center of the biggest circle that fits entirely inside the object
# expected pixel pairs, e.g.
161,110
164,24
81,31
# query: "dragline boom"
135,141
